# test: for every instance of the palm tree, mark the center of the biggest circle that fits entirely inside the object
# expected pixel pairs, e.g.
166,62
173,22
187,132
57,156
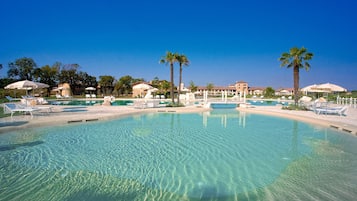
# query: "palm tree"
295,59
170,58
182,60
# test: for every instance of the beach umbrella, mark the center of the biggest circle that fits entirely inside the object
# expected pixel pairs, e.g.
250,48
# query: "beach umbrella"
331,87
26,85
90,89
142,86
323,88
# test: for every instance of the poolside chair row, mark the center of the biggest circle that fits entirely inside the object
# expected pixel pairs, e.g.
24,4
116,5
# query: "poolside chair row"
11,108
59,96
91,96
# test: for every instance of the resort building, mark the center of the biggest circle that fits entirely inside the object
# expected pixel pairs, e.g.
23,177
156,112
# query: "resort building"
241,87
256,91
216,90
232,90
140,89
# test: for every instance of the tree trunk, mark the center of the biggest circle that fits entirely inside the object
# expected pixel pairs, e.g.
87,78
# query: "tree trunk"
172,83
179,88
296,85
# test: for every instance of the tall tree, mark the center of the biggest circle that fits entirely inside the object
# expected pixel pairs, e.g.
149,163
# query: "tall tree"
192,86
183,61
106,83
210,87
69,74
296,59
22,69
124,86
170,59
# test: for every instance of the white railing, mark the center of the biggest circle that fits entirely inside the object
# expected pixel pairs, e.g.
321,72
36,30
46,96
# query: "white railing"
352,102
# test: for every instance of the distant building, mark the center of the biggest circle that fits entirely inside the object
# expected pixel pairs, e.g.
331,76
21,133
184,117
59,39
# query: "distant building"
140,89
256,91
241,87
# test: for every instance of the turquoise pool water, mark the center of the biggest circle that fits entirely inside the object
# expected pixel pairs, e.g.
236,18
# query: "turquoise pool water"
88,102
217,155
266,102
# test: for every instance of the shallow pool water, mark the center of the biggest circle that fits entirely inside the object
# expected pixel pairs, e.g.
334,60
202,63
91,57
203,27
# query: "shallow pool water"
89,102
216,155
266,102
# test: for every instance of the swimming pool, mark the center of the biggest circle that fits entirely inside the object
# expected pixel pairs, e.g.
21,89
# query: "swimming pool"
89,102
266,102
216,155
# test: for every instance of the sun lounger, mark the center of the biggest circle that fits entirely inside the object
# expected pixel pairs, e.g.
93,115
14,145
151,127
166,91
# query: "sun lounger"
336,110
12,108
11,99
58,96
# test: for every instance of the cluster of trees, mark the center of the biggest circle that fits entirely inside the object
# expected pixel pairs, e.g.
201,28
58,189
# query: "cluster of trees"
26,68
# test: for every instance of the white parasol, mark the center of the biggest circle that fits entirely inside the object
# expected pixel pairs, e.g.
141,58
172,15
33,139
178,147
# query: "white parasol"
324,88
27,85
90,89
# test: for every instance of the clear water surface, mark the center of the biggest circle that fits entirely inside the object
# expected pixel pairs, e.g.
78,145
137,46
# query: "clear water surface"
76,102
216,155
266,102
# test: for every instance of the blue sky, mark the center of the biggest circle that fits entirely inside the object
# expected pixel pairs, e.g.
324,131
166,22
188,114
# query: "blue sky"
226,41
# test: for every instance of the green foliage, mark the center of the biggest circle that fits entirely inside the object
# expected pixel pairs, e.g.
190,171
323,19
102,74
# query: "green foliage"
170,59
22,69
269,92
192,86
210,86
125,85
175,105
296,59
295,107
106,83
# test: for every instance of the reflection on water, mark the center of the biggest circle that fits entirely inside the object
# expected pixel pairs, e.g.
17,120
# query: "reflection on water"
223,115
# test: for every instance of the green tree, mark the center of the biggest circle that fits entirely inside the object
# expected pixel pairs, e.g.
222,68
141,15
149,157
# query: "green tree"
22,69
210,87
183,61
68,74
296,59
124,86
106,84
48,75
269,92
192,86
170,59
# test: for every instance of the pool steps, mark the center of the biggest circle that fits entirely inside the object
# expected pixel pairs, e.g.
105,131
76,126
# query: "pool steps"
80,120
344,129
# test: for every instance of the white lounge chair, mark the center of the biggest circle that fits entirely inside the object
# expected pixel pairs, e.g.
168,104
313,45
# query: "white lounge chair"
11,99
12,108
58,96
336,110
93,96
